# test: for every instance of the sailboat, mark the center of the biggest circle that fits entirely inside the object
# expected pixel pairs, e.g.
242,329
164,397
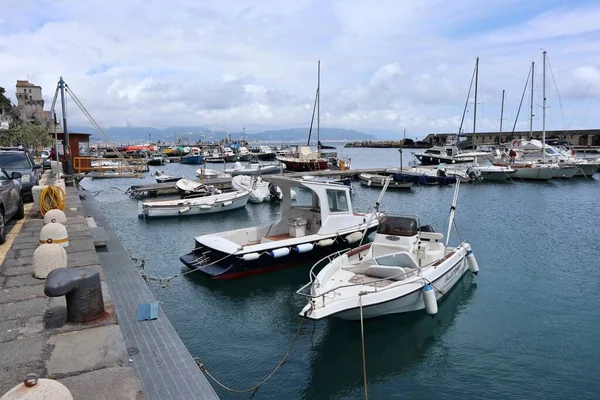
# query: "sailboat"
305,159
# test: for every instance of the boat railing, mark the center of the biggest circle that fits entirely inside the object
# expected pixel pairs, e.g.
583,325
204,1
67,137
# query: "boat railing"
312,276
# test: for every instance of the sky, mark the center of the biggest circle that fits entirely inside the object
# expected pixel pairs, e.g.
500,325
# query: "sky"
386,65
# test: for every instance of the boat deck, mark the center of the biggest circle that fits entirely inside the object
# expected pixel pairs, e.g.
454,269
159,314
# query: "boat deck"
275,238
362,279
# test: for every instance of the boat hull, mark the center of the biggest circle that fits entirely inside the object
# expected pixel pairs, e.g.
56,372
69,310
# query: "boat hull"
496,176
412,301
379,180
585,170
195,160
304,166
266,170
534,173
188,210
156,162
233,267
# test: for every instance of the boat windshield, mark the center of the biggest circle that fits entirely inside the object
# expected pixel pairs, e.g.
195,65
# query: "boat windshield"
398,226
337,200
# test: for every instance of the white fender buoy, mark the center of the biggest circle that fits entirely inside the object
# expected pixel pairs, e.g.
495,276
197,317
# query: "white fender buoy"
227,203
430,301
292,194
303,248
205,207
54,233
184,210
353,237
46,258
325,242
473,266
55,215
369,183
250,256
282,252
34,388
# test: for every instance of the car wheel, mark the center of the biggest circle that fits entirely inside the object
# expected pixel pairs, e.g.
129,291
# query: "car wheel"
21,211
2,227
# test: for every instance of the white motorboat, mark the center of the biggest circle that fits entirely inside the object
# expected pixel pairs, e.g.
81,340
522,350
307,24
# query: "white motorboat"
157,159
161,177
406,268
187,187
261,190
375,180
483,167
255,169
305,232
194,205
211,173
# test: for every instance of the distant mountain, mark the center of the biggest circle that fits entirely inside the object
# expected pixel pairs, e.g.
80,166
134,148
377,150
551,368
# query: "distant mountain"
196,133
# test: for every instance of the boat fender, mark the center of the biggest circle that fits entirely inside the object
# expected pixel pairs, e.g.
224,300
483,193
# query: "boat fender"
369,183
303,248
325,242
282,252
473,266
227,203
184,210
250,256
353,237
205,207
430,301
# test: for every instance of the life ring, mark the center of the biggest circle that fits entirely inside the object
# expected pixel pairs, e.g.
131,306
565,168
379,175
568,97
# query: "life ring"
516,142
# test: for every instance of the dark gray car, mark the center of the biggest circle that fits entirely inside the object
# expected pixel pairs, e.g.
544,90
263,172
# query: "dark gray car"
19,160
11,200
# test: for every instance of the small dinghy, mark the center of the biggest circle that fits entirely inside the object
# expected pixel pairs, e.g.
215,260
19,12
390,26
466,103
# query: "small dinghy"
211,173
255,169
161,177
406,268
208,204
375,180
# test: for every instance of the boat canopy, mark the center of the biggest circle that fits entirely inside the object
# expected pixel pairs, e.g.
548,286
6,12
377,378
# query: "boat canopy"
398,226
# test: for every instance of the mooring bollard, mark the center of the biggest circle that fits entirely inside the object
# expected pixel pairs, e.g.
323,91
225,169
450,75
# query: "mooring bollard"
48,257
54,232
34,388
82,290
55,215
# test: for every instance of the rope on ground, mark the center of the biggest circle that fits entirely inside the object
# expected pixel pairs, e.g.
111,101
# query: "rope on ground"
52,197
362,339
259,384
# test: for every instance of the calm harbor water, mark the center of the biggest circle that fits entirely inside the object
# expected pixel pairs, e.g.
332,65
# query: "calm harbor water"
526,327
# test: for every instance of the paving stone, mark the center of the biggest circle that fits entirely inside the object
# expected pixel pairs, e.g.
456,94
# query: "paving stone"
101,384
11,295
94,268
9,330
84,244
33,326
86,350
25,253
79,227
79,219
30,244
82,259
23,309
79,234
12,376
23,280
22,269
21,351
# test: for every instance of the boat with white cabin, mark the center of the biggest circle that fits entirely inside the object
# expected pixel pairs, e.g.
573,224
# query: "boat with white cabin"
406,268
305,232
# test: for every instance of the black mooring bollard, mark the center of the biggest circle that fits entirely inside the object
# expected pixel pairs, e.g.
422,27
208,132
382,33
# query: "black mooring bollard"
82,290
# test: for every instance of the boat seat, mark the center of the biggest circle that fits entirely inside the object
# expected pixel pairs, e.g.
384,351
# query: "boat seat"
388,272
402,259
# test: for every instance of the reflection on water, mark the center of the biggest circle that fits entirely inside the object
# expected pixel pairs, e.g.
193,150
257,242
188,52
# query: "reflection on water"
392,345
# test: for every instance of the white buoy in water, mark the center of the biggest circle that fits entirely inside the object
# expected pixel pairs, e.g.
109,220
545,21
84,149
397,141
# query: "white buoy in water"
55,215
473,266
324,242
430,301
282,252
250,256
353,237
34,388
303,248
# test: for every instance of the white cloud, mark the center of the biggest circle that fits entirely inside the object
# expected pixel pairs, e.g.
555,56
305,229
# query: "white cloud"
386,66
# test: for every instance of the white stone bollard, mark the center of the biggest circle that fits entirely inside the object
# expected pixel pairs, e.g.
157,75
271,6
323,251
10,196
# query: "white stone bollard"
53,167
54,233
46,258
34,388
55,215
36,192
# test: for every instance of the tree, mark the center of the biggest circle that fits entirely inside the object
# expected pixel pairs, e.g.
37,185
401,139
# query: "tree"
26,135
4,101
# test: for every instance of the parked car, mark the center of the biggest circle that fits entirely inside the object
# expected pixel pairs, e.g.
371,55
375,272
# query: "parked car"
19,160
11,200
45,158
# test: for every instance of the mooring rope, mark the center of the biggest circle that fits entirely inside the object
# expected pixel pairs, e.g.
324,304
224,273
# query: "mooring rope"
259,384
362,339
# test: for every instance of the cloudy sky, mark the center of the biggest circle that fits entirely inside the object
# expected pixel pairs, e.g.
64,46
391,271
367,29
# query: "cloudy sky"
387,65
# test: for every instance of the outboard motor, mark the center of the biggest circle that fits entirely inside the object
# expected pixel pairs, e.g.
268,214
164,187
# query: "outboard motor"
473,174
275,195
441,172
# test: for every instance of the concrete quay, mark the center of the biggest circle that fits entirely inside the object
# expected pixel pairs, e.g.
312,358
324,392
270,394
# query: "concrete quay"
114,357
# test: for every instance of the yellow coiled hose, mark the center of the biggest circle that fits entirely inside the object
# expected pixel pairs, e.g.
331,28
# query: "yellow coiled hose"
52,197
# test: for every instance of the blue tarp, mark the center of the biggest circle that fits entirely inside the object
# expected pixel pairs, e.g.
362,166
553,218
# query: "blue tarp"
147,311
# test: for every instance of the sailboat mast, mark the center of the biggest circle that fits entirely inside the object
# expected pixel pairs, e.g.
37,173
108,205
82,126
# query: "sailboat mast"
531,101
476,83
318,109
544,106
502,111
